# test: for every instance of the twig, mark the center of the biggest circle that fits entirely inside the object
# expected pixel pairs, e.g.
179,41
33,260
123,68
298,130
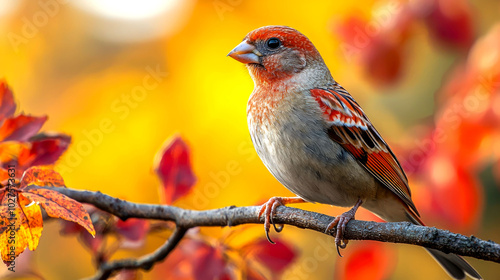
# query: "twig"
145,262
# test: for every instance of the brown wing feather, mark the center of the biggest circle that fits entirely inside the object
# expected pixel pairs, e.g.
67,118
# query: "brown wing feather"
351,128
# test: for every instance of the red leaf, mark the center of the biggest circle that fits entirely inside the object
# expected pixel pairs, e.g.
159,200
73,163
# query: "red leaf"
451,23
7,105
377,46
94,243
173,166
456,194
384,61
72,228
276,257
194,259
133,229
101,226
370,260
45,149
21,128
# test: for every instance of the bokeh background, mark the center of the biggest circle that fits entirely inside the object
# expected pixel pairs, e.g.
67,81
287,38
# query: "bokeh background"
122,77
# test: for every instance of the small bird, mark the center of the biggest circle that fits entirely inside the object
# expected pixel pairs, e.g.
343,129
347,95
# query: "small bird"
316,140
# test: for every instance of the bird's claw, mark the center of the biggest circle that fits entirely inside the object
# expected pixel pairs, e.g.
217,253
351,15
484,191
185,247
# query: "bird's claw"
268,209
279,227
340,223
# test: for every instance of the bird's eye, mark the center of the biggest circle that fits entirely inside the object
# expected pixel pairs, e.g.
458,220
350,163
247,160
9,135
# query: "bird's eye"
273,43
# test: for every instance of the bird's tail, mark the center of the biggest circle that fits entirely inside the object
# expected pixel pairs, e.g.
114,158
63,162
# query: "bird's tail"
453,264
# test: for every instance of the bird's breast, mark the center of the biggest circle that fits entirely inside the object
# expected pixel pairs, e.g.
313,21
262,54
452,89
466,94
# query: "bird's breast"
289,135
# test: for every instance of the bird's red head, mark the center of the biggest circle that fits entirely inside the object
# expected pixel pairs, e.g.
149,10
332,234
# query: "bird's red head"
274,53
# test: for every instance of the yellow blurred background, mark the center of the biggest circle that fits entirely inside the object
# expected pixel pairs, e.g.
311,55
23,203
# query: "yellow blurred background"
121,77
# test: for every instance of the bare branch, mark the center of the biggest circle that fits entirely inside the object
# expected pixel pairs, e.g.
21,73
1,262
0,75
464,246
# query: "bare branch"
145,262
403,232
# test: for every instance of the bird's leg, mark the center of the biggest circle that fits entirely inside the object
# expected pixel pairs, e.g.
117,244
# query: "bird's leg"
340,222
269,208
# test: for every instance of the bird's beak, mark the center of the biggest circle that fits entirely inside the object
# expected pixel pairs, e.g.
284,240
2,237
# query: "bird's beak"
245,53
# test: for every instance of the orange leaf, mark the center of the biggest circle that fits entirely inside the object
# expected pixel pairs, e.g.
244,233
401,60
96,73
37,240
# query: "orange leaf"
21,128
7,105
42,176
10,151
4,174
4,215
58,205
43,149
173,166
22,227
33,225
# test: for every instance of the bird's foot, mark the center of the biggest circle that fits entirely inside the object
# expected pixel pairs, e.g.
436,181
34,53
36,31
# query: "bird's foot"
269,208
340,222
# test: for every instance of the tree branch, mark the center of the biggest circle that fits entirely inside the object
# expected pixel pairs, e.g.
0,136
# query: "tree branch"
145,262
403,232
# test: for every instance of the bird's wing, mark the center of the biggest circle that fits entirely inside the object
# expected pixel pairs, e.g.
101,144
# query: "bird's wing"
350,127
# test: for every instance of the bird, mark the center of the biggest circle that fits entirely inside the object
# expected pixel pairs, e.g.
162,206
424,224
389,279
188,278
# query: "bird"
315,139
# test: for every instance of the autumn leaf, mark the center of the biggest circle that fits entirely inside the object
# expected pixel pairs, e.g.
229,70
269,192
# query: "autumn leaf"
21,127
173,166
456,193
4,175
21,144
46,148
10,151
21,219
25,225
371,260
58,205
194,259
41,176
276,257
381,59
7,104
132,229
451,23
101,222
33,216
